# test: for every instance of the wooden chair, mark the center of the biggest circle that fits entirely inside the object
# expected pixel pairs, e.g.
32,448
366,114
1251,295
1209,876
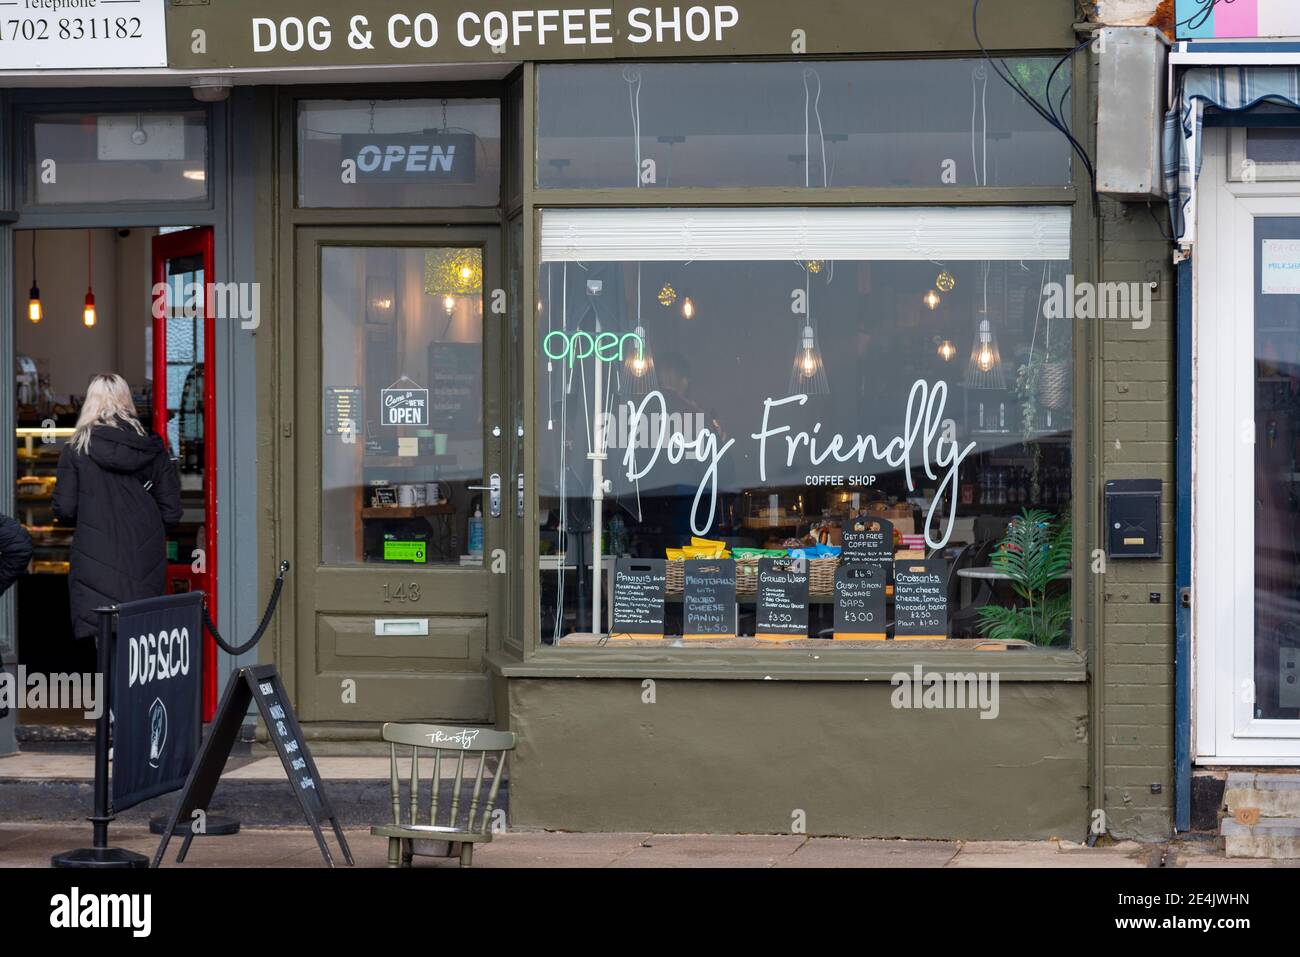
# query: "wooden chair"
458,831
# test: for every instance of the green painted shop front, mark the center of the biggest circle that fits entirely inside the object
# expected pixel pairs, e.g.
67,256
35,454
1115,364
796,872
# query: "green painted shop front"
778,233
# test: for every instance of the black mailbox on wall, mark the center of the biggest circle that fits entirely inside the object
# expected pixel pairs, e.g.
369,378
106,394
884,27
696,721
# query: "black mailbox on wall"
1133,518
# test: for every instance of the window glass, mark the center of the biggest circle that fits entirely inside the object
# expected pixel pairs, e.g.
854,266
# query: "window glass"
401,366
120,157
397,153
1276,449
1273,145
733,386
801,124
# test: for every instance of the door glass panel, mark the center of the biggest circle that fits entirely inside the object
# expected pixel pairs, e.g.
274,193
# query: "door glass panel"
402,426
1277,472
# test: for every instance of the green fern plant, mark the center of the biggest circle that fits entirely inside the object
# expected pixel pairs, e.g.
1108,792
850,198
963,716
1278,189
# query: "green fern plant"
1034,555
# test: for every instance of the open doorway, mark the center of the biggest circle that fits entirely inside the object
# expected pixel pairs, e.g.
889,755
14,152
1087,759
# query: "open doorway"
91,308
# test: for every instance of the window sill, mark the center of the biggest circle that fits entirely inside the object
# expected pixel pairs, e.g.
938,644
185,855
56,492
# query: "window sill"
789,664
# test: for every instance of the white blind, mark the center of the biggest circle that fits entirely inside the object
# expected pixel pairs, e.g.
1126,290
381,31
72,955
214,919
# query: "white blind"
894,233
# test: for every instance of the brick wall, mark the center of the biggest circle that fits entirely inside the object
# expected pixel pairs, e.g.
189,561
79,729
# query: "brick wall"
1138,433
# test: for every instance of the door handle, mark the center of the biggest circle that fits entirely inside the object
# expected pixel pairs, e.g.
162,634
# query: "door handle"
493,488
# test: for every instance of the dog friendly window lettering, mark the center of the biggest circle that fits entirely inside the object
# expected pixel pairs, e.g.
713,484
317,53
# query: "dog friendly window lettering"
789,372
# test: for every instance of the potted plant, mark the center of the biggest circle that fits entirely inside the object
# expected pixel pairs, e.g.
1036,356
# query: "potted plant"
1034,555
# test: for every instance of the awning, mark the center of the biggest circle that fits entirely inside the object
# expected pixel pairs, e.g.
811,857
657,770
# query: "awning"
1225,88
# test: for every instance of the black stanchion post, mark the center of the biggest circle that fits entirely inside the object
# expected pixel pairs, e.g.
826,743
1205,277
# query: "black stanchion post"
99,854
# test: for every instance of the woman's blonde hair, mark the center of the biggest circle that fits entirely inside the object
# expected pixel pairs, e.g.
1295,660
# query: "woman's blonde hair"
108,402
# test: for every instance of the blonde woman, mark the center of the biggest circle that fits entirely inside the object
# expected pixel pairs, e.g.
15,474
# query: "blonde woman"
118,486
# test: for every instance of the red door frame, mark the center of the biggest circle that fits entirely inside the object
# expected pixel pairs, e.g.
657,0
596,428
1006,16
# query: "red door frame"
193,242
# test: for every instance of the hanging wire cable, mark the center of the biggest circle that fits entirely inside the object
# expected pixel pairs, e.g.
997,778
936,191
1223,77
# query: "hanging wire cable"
979,83
632,77
1047,113
815,104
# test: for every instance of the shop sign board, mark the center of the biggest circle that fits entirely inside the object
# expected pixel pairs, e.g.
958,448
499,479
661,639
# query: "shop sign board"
304,33
404,405
156,695
782,599
639,585
432,156
709,598
868,538
1280,267
86,35
920,599
860,602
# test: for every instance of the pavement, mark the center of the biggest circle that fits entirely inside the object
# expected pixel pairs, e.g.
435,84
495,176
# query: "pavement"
32,844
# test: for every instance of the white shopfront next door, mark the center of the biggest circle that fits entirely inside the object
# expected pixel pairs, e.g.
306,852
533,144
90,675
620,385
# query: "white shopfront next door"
1246,487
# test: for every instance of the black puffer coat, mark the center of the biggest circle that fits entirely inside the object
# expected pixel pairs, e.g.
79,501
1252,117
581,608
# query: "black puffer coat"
15,551
119,493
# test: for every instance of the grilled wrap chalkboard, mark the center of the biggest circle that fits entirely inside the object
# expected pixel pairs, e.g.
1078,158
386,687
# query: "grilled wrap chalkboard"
639,598
782,599
860,602
709,598
921,599
867,539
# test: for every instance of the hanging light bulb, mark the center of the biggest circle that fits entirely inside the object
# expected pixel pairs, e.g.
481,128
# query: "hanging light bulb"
944,282
640,366
947,351
34,311
88,311
688,308
449,304
931,299
809,373
984,357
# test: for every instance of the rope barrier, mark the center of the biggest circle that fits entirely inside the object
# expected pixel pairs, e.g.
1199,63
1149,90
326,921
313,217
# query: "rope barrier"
261,629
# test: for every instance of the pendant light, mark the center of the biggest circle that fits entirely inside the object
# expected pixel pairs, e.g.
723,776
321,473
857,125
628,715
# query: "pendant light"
34,311
984,370
88,313
808,376
688,308
931,299
947,351
638,364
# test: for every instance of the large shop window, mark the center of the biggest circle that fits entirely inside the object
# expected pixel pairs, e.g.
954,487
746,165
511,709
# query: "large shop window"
796,425
151,156
940,123
399,153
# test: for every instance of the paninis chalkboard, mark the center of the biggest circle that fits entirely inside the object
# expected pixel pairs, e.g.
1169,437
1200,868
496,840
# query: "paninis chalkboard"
638,598
709,598
782,599
921,599
860,602
868,539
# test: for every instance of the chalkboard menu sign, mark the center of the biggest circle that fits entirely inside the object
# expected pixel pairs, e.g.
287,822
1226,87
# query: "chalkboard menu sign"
261,687
343,411
639,598
860,602
709,598
456,387
921,599
868,538
782,599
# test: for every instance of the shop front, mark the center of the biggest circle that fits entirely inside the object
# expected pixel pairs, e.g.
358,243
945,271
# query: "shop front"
1232,145
702,393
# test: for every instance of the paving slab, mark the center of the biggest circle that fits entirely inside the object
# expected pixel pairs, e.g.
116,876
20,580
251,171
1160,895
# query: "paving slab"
1046,854
850,852
711,850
